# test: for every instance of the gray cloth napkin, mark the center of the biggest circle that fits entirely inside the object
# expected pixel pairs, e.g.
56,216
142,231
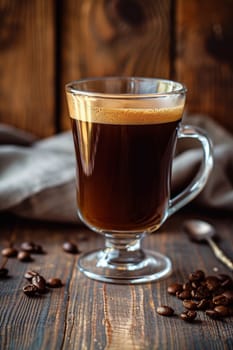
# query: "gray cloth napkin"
37,177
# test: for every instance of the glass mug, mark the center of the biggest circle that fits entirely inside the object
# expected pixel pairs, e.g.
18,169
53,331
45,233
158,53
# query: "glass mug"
125,131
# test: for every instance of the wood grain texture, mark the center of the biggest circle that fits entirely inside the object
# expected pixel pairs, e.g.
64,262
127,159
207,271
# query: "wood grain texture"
114,37
27,65
85,314
205,57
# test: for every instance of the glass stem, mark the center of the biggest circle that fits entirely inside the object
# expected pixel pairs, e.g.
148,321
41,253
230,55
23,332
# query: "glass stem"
121,251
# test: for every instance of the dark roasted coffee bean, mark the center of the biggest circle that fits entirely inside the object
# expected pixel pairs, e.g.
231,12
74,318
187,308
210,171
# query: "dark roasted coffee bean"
229,295
227,283
54,282
24,256
32,247
222,277
200,293
212,314
27,247
3,272
204,304
70,247
221,300
165,310
218,291
222,310
190,304
195,284
174,288
202,290
187,286
184,295
212,283
30,290
9,252
188,316
29,274
38,249
196,276
40,283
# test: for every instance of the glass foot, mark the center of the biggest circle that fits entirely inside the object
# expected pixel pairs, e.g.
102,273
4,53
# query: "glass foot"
150,266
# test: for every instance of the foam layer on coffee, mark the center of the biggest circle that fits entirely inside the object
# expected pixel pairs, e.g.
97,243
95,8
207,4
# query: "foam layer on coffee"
124,115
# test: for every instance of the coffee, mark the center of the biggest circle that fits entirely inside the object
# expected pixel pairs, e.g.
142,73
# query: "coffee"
123,166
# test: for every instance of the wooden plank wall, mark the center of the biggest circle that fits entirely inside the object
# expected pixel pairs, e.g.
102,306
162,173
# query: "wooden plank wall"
27,51
46,43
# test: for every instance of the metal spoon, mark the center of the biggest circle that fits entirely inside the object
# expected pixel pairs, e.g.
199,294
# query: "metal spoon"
202,231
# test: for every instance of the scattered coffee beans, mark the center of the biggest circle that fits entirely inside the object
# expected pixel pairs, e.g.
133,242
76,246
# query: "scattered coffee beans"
70,247
38,283
165,310
212,294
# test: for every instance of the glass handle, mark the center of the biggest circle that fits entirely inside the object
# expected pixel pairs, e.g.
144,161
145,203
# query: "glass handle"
199,181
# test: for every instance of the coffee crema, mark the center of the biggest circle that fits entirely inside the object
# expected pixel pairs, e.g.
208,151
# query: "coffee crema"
124,159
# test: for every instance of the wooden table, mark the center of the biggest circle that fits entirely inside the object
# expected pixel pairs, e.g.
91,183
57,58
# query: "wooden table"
86,314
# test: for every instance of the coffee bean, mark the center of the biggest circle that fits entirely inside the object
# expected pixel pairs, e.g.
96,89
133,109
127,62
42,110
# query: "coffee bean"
200,293
222,310
190,304
24,256
184,295
212,283
212,314
196,276
70,247
9,252
27,247
32,247
29,274
3,272
221,300
174,288
204,304
188,316
229,295
40,283
227,283
38,249
195,284
54,282
165,310
187,286
222,277
30,290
